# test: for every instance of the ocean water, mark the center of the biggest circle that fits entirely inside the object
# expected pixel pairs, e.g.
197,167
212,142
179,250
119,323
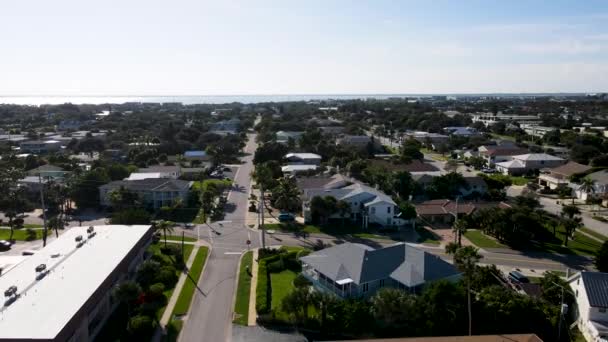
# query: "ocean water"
217,99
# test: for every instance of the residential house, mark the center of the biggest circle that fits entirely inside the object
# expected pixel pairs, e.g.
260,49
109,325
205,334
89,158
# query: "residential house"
475,185
360,141
47,171
557,177
40,147
493,154
33,184
537,131
591,294
284,136
600,179
332,130
226,127
303,159
335,181
367,204
164,171
69,125
461,131
521,164
196,155
352,270
444,211
426,138
297,168
154,192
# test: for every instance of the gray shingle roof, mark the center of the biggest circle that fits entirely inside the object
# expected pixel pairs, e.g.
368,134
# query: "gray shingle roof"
151,184
596,286
406,264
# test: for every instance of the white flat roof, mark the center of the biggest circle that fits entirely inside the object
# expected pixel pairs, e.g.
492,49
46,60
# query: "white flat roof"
144,175
292,168
45,306
303,155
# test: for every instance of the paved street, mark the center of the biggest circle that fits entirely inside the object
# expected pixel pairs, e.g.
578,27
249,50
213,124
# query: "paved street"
210,318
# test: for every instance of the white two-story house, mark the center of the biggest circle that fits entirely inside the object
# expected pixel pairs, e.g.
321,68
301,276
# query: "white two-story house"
591,294
367,204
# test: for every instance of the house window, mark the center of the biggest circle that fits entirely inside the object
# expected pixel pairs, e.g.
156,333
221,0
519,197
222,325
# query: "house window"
388,210
602,310
389,221
373,210
365,287
381,282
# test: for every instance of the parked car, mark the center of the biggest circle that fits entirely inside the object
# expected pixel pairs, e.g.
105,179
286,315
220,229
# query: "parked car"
189,225
486,170
518,278
286,217
5,245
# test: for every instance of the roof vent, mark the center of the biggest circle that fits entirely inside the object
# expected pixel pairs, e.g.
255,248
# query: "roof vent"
55,255
41,268
78,238
90,229
10,291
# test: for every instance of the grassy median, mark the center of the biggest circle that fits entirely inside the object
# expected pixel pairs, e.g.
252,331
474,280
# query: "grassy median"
241,304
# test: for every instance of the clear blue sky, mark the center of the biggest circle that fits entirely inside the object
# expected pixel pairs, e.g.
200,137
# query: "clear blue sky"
197,47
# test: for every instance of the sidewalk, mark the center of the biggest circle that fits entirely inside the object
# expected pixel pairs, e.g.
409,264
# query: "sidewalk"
252,316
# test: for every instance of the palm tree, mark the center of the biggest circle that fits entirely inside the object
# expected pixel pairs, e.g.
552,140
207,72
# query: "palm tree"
343,208
296,303
56,223
287,196
164,226
587,185
459,227
322,301
262,174
570,211
13,222
465,259
569,226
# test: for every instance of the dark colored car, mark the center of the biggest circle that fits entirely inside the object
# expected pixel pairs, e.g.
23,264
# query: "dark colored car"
5,245
286,217
517,277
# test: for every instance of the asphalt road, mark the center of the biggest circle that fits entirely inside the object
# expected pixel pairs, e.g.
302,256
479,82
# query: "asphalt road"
210,318
502,257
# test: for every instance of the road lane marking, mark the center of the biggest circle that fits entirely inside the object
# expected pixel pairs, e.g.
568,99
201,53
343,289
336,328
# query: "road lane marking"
233,253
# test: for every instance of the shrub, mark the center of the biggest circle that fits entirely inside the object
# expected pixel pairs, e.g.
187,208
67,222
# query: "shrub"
141,326
156,290
301,281
276,266
262,292
167,276
268,252
147,273
303,253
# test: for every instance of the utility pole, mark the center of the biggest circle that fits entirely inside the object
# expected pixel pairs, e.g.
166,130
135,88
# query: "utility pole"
43,209
262,216
457,235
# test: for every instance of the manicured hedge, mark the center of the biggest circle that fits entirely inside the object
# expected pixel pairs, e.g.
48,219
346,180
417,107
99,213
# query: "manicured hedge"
262,291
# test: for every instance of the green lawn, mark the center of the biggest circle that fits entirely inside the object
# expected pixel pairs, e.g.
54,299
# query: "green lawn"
481,240
332,229
185,296
519,180
426,236
593,233
281,285
21,234
179,238
241,305
581,244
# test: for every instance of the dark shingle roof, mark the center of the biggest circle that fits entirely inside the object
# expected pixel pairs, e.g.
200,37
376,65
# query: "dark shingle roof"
406,264
596,286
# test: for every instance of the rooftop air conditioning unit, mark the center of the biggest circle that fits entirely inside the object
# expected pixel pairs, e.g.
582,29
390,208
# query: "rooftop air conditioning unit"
41,268
90,229
78,238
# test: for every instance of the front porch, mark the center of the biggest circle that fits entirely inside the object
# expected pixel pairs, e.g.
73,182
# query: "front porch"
344,288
